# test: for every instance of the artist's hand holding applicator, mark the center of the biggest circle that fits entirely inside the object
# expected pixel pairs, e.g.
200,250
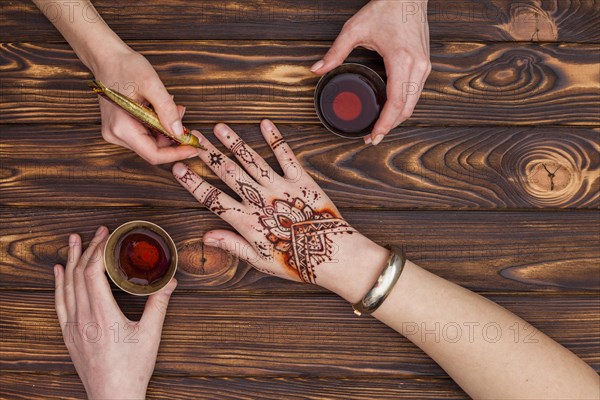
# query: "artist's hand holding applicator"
120,68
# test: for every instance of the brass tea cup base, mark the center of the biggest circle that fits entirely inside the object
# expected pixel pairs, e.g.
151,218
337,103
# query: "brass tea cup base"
116,274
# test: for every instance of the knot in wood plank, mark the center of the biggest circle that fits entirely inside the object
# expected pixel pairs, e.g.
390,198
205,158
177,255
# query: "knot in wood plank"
211,265
529,22
509,77
552,175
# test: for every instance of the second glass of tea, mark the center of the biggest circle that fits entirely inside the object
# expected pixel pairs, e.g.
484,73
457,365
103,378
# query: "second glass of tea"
349,99
140,257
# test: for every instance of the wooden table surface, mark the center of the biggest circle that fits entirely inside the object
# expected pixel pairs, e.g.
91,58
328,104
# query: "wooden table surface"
461,186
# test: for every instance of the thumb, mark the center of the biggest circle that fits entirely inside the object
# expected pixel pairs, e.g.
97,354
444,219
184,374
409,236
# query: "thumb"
339,51
232,243
156,307
162,101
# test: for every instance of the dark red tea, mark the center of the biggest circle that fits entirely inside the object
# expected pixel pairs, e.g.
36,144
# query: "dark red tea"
349,103
143,256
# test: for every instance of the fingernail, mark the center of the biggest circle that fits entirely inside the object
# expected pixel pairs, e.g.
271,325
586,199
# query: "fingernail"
55,272
72,239
177,128
99,230
221,130
268,124
377,140
317,66
368,139
179,169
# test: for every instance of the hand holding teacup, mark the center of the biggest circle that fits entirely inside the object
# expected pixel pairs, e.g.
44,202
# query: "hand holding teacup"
397,30
113,355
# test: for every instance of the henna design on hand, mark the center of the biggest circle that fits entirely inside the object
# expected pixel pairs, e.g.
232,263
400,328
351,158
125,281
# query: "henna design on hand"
302,234
188,179
277,143
251,194
292,225
265,250
212,202
310,194
215,159
243,152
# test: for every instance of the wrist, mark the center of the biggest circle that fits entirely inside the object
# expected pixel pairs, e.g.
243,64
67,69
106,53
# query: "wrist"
100,58
116,385
120,393
355,270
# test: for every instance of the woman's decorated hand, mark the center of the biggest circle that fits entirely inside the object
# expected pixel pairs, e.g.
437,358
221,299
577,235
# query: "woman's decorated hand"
286,225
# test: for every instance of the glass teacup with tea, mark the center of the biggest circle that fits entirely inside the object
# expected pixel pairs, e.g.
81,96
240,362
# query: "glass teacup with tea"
349,99
140,257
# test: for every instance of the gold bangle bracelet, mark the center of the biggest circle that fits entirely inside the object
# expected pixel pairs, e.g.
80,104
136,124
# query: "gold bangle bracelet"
384,284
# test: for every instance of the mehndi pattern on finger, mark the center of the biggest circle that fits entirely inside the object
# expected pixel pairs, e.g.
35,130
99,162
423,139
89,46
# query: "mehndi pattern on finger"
243,152
212,202
215,159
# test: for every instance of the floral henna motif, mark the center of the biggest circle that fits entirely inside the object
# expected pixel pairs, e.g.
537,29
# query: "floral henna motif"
215,159
302,234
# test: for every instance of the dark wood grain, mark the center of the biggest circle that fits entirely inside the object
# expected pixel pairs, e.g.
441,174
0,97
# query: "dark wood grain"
471,83
424,168
277,335
491,251
464,186
27,386
466,20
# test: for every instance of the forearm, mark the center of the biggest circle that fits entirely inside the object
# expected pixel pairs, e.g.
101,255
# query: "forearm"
487,350
84,29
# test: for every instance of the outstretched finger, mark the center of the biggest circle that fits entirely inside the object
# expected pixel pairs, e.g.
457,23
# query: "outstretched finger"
230,172
91,254
208,195
254,164
292,170
260,257
59,294
339,51
102,301
69,286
